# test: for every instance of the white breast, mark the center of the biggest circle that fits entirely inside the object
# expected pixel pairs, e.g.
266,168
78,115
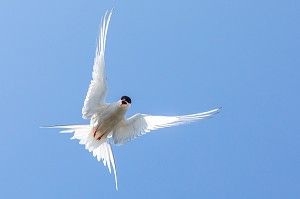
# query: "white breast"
107,118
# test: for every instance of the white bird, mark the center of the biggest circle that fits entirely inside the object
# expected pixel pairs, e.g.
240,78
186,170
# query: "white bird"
107,120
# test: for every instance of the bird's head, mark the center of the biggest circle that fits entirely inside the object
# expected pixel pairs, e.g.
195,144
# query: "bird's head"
125,101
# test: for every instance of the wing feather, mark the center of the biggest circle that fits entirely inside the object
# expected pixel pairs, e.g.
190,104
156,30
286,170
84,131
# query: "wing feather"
141,124
98,87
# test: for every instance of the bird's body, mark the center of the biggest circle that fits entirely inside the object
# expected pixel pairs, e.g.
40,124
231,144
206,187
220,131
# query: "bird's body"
107,120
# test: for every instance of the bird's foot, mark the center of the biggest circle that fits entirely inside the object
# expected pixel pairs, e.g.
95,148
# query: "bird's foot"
99,138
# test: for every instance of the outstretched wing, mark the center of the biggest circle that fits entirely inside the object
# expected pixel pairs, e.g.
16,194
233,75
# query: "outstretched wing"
98,88
140,124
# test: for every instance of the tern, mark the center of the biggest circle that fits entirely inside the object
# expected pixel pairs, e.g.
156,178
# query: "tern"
108,121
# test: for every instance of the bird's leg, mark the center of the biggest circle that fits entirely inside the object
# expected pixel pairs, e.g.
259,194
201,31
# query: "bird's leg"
95,132
99,138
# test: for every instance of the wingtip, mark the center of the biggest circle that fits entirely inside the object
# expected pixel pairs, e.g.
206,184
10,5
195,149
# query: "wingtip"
45,127
112,9
217,110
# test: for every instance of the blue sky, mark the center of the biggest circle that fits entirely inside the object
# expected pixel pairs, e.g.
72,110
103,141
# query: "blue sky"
171,58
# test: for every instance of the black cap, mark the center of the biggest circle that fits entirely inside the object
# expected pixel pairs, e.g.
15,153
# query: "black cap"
127,99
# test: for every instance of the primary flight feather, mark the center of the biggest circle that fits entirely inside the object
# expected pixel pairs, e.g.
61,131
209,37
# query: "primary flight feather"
107,120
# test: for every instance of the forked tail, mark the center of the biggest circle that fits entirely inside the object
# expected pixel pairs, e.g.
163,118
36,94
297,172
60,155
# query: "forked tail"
101,149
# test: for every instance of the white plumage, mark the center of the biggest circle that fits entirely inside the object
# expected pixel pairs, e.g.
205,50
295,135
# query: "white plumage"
107,120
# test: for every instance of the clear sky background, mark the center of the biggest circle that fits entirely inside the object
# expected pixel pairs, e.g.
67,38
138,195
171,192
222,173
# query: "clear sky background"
171,58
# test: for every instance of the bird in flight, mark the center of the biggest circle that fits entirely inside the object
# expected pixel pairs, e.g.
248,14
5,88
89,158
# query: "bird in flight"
107,120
